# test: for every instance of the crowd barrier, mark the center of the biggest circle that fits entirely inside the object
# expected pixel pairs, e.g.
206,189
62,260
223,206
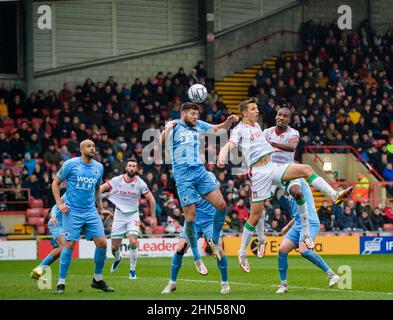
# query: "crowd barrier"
165,247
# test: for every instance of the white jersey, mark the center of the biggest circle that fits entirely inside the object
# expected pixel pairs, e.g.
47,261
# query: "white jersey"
251,141
289,136
125,195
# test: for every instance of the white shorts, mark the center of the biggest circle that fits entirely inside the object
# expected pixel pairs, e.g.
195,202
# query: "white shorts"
265,180
125,224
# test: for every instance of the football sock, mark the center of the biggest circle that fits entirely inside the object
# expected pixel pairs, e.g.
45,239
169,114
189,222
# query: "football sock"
194,246
97,276
133,257
260,228
65,261
218,222
177,261
61,281
316,259
322,185
47,261
116,254
303,211
283,266
190,229
99,260
248,231
223,267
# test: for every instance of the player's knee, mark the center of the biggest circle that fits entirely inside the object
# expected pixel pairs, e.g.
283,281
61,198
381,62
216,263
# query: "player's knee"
298,195
222,205
101,243
69,245
133,242
307,170
181,248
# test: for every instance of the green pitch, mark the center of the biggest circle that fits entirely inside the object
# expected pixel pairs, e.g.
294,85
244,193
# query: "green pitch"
371,279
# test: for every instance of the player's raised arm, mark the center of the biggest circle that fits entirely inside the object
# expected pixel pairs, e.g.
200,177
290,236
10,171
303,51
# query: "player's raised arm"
167,131
224,152
226,125
152,202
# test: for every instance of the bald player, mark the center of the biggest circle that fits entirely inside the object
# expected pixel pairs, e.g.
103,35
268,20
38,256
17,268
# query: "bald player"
83,176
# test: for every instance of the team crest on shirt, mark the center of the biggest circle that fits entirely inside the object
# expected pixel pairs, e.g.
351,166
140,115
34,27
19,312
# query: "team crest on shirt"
96,172
185,199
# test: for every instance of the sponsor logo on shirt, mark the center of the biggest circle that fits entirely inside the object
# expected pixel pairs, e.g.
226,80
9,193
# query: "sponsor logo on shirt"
85,183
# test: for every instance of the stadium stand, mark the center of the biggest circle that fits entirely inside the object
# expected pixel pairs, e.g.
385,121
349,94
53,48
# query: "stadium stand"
339,89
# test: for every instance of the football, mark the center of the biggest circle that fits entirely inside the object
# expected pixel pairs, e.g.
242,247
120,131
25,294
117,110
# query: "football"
197,93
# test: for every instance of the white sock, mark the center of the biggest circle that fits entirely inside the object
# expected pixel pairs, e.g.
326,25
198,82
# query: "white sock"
97,277
284,283
260,228
116,254
224,282
133,257
61,281
303,211
172,282
323,186
248,231
330,272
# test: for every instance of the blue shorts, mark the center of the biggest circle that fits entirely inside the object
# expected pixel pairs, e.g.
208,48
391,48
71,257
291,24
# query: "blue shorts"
57,231
88,223
193,183
204,228
295,234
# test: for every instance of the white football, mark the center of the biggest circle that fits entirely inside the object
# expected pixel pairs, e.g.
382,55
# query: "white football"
197,93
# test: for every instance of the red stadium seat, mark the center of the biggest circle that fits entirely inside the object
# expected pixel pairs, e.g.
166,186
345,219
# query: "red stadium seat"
36,221
149,229
8,122
19,121
41,230
45,111
18,111
45,212
8,162
34,212
64,141
39,120
147,211
159,229
322,227
55,112
36,203
388,227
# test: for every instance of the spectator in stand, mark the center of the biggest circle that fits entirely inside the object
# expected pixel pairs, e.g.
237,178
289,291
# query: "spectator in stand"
34,185
65,93
365,222
52,156
332,223
377,219
279,218
324,212
17,147
241,208
387,174
349,220
388,212
29,163
33,146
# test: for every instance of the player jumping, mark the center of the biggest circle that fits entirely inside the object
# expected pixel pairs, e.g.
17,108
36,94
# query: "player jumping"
83,176
264,173
204,227
192,179
293,238
124,192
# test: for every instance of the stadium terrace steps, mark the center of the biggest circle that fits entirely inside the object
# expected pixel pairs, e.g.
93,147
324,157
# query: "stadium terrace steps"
234,88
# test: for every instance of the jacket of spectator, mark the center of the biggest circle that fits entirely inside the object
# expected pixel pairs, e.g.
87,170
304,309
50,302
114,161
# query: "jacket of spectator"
365,222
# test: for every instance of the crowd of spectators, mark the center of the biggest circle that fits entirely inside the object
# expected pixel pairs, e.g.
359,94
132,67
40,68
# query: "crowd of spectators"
339,90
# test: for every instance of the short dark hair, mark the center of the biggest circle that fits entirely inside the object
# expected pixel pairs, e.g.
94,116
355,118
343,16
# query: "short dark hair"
189,106
244,104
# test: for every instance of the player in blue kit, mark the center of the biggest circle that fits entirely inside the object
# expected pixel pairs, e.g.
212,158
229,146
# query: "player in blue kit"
83,176
55,226
203,227
192,180
293,238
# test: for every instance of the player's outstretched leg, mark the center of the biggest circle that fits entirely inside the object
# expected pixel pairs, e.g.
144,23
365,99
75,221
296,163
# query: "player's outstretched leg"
223,268
177,261
320,263
305,171
99,262
65,262
285,247
260,228
116,253
133,255
199,265
39,271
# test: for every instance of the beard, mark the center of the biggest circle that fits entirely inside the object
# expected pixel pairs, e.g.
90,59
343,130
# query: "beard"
90,156
130,174
188,123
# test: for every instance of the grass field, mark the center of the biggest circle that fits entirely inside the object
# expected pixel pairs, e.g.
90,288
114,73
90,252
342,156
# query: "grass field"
372,278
